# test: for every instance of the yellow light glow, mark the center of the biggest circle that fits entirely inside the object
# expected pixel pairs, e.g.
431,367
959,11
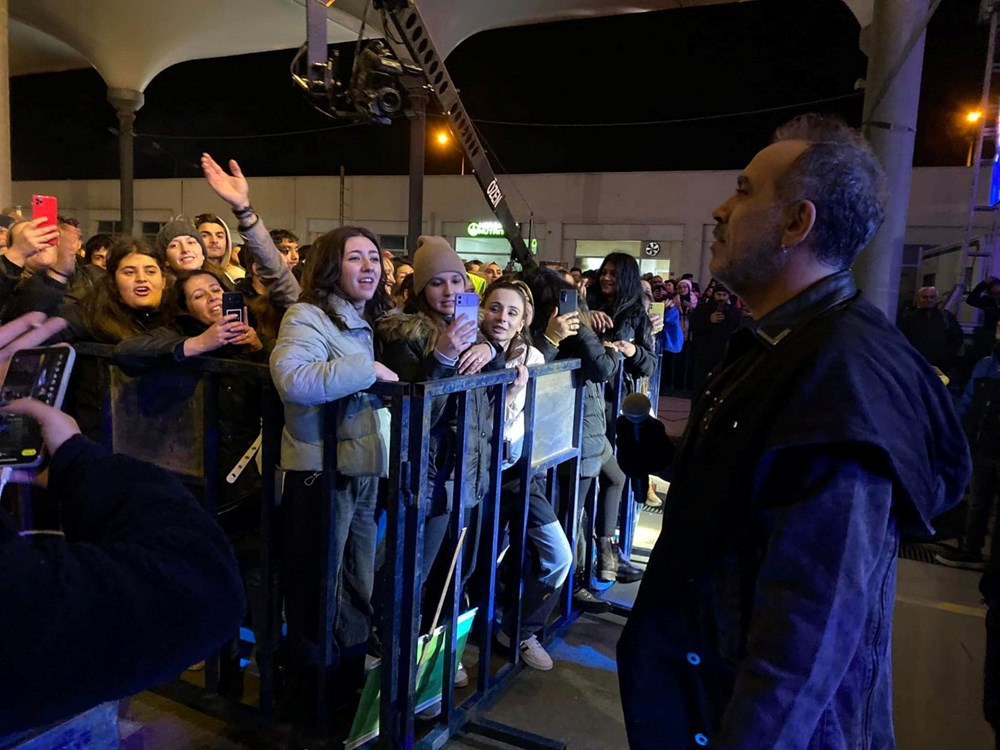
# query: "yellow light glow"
974,116
443,138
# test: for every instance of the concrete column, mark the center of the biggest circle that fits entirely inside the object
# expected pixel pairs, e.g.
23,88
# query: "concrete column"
5,194
890,126
126,103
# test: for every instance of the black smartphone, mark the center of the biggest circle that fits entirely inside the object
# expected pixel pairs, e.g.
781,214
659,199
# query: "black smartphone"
42,374
568,301
234,304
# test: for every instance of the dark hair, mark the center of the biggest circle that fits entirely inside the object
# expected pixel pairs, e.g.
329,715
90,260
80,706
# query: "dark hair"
208,219
179,296
95,243
277,235
104,314
839,174
522,340
627,278
322,275
470,263
545,285
576,268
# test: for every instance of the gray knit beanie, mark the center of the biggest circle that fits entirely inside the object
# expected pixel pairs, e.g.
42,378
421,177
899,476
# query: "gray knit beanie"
179,227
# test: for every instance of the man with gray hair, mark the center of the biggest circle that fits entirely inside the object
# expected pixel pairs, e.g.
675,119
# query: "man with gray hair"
933,332
764,617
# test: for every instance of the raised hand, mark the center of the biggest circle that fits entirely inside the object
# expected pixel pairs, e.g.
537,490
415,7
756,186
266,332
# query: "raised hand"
232,188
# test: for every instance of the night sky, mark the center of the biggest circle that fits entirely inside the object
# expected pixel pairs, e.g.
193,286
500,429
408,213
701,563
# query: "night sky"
713,68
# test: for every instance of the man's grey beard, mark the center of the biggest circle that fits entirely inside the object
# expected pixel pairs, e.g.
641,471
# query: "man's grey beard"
756,268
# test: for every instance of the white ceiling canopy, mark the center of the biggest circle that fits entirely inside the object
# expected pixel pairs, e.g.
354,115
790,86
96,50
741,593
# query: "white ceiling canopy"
129,42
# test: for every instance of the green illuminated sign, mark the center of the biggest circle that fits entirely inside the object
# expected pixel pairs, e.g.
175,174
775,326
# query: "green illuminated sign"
485,229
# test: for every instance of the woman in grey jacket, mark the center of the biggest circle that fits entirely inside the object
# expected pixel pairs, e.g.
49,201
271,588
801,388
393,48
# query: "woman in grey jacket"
324,353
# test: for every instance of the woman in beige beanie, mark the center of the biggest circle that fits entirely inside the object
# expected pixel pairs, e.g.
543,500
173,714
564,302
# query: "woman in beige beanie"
426,342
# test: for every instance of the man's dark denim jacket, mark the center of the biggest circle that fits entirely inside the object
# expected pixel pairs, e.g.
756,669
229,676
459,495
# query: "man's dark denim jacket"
765,612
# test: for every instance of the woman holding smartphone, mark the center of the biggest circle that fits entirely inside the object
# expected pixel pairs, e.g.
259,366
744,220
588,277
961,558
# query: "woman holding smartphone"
325,352
505,321
428,341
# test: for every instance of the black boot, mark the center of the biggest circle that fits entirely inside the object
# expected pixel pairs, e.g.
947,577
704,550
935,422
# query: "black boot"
626,571
608,565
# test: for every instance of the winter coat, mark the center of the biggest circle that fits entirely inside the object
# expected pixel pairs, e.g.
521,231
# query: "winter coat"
405,344
142,585
643,448
934,333
314,362
597,366
764,618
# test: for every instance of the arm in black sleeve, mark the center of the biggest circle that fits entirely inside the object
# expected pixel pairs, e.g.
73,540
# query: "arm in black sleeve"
160,347
40,293
143,584
955,336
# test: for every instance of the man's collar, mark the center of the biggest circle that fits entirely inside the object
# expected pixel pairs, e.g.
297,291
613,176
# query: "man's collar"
800,309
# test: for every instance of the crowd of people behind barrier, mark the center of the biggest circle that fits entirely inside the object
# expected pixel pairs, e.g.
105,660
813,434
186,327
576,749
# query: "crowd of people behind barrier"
836,488
331,319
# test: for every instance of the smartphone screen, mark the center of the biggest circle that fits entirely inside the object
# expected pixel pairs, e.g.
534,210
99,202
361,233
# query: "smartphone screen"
45,206
657,308
568,301
42,374
467,306
234,304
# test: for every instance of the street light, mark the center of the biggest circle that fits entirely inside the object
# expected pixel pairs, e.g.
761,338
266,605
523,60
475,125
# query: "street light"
972,118
443,138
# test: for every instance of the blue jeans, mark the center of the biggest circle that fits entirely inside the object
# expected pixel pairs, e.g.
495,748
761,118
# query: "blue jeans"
548,556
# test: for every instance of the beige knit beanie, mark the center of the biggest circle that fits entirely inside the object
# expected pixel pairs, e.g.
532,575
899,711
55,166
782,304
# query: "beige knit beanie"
433,256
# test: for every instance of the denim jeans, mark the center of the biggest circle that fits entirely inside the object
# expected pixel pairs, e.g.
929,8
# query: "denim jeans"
353,552
548,556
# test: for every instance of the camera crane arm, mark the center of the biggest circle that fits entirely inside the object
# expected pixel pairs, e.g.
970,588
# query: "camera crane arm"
408,24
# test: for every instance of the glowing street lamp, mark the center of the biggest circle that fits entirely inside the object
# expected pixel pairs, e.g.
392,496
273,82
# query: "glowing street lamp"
443,138
973,118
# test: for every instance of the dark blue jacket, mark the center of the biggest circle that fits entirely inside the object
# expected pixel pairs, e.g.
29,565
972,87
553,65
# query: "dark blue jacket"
142,585
764,617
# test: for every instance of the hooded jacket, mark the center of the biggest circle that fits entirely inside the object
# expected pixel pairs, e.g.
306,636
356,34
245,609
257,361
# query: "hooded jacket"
764,618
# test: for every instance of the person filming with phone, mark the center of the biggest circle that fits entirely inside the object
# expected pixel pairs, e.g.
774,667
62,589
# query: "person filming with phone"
138,583
712,323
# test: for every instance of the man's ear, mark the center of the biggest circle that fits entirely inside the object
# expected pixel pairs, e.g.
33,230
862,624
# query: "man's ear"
799,220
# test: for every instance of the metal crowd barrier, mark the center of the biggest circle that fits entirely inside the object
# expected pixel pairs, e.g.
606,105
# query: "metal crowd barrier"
184,438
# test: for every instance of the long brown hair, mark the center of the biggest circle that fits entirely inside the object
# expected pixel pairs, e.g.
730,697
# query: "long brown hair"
322,275
105,315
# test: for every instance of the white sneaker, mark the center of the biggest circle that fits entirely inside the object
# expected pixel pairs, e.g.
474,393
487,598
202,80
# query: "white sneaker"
532,652
461,676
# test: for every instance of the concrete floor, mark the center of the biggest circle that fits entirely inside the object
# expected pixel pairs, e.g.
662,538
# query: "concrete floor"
938,650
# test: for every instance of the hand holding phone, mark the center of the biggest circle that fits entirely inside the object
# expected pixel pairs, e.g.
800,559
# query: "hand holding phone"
467,307
568,301
233,303
41,374
45,207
